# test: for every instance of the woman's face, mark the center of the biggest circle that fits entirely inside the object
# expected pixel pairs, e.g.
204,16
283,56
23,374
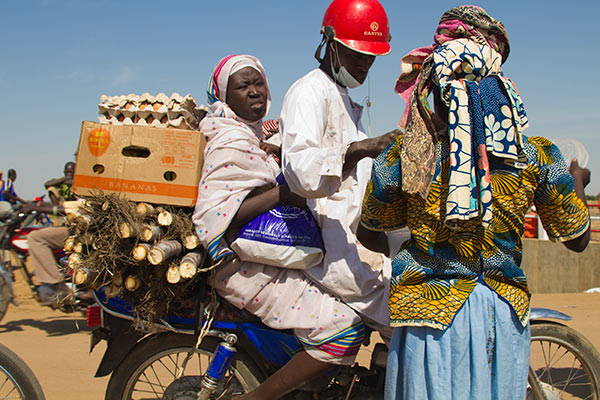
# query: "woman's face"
247,94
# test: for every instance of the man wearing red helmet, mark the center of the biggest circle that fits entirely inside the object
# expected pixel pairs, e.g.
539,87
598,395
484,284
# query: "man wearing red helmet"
327,157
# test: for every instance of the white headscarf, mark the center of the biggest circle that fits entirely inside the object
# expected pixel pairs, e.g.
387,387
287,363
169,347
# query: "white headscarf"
217,88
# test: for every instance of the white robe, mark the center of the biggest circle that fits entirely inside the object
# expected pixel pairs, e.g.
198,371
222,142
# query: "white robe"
318,122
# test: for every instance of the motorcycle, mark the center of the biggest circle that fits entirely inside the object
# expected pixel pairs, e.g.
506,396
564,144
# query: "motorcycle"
17,381
14,228
217,351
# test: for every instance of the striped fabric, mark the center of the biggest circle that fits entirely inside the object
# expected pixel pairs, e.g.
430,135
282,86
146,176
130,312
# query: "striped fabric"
346,342
212,91
270,127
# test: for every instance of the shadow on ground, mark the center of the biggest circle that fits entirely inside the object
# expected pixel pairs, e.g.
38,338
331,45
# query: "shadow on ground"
53,326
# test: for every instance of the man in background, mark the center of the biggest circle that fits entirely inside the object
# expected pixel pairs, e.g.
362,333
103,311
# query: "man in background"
1,184
52,290
8,189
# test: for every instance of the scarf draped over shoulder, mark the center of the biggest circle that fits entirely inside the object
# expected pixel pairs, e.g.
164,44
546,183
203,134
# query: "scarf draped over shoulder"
486,114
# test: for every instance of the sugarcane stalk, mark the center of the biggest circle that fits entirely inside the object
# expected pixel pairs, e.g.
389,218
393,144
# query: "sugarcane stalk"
69,243
83,276
77,247
163,251
191,241
164,217
132,283
140,252
74,260
144,210
188,267
173,274
150,233
126,230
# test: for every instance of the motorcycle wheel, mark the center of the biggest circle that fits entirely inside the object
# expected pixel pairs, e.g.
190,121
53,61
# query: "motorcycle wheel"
17,381
565,363
149,371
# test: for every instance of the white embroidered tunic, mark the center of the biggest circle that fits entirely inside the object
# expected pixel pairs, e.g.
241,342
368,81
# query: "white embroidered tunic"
318,122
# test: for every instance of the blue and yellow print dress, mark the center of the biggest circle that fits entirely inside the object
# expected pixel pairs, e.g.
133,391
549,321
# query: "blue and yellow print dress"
434,273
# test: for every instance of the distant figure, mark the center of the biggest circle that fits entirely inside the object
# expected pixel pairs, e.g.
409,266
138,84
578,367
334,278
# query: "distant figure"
42,242
1,184
59,189
8,189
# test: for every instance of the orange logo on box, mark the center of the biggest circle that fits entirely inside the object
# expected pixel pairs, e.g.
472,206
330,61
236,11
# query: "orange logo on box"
168,160
98,141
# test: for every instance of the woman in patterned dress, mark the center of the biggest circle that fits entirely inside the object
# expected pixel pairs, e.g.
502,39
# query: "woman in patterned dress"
462,180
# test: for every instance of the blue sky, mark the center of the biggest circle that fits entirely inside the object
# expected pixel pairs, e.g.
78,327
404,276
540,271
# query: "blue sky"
60,56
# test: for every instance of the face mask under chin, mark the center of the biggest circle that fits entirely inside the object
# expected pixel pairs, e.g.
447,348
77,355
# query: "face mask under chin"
342,76
345,78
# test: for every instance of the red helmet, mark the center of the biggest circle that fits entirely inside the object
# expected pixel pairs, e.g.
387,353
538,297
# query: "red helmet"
361,25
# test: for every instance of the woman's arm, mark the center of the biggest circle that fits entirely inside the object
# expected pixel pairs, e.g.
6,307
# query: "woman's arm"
581,178
261,200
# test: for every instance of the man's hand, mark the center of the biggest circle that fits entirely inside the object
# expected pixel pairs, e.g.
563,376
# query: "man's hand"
379,144
368,148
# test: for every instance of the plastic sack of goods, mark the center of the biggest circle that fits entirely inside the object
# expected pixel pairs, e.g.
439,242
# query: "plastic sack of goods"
285,236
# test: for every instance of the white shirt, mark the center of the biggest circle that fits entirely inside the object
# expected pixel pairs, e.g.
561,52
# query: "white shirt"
318,122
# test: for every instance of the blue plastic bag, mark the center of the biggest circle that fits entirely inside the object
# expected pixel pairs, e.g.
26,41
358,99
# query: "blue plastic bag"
285,236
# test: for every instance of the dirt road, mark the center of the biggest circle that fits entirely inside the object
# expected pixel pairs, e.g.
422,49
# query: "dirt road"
56,345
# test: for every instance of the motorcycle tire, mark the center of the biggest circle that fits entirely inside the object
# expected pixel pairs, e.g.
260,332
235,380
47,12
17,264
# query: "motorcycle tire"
149,370
565,363
5,295
17,381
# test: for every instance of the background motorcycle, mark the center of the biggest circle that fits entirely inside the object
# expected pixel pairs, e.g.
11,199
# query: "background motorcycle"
231,352
14,228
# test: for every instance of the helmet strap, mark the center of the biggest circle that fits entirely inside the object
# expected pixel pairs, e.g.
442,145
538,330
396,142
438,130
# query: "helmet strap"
328,35
319,49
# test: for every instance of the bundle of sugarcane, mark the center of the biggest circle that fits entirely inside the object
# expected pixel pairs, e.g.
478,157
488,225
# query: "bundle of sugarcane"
147,254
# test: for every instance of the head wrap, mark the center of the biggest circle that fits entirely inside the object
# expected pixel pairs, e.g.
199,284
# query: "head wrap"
486,113
217,88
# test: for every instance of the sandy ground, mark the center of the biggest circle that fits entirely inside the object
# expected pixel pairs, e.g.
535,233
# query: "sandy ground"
56,345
